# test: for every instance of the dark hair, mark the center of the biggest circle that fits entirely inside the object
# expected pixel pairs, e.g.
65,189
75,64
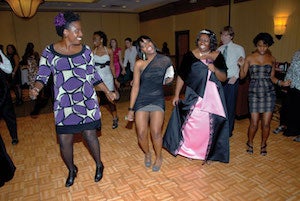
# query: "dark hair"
141,39
212,37
112,40
103,36
28,52
13,48
129,39
265,37
229,29
1,47
63,20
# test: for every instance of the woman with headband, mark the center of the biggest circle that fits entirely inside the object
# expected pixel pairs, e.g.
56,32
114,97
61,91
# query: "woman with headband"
198,127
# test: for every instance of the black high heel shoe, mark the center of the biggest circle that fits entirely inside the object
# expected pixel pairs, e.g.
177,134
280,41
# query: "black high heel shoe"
99,172
249,148
263,150
71,177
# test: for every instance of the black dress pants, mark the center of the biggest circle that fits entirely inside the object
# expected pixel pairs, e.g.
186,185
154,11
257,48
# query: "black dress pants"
7,167
7,112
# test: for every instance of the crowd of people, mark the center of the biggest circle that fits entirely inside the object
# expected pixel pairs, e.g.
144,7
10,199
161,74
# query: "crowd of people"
201,124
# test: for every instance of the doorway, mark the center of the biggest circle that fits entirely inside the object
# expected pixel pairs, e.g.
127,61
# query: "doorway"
182,45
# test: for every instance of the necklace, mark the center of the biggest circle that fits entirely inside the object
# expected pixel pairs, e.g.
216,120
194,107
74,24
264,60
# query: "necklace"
204,53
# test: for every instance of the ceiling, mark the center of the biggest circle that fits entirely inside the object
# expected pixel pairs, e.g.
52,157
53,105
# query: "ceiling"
126,6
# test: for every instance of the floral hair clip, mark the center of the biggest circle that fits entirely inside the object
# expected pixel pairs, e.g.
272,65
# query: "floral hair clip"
59,20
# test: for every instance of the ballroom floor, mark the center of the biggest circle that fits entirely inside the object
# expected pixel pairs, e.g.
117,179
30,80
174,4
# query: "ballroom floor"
41,174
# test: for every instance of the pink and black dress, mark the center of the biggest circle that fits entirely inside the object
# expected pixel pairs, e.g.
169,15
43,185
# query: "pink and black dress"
75,101
198,126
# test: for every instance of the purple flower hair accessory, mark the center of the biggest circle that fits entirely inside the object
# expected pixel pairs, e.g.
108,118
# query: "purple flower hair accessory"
59,20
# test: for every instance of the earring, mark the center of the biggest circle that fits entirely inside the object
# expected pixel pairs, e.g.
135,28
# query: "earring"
144,56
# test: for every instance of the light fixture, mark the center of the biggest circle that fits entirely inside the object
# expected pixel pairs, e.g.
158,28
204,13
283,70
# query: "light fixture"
24,8
280,26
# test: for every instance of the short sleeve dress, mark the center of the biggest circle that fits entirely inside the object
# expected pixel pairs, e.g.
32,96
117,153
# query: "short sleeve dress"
262,94
75,102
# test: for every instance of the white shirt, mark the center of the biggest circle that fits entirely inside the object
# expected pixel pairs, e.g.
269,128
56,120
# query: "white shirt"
130,56
5,65
234,52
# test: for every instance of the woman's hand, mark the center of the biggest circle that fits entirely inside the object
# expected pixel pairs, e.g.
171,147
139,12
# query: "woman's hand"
33,93
117,83
130,116
241,61
112,96
285,83
211,67
175,100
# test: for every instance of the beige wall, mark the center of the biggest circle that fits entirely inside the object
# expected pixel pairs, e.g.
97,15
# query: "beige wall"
41,31
248,19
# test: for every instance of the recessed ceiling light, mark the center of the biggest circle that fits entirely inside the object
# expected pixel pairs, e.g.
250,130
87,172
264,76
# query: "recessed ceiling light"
124,6
103,6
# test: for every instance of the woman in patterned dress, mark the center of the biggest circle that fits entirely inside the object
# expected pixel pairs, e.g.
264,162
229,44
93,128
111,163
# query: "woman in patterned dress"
31,59
261,66
76,108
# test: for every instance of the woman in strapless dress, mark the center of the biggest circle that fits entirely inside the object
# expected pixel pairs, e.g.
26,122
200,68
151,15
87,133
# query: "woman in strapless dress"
262,97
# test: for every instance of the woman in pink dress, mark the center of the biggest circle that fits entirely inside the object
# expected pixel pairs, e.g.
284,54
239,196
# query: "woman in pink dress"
117,53
198,127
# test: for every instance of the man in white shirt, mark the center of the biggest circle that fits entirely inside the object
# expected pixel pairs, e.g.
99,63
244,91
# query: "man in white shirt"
129,61
232,53
7,111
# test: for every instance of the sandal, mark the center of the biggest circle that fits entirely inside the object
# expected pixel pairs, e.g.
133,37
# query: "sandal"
156,167
249,148
263,150
148,160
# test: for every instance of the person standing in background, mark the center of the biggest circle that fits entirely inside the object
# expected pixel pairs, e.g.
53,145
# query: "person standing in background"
7,111
117,55
15,79
30,59
293,98
103,57
165,50
129,62
232,53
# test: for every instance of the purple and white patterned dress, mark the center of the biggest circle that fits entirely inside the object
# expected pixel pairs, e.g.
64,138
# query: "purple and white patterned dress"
75,101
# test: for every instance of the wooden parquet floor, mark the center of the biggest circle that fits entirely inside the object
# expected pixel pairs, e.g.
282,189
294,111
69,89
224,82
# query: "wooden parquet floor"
41,173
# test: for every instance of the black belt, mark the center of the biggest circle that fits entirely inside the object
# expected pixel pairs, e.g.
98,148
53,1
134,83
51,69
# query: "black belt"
102,65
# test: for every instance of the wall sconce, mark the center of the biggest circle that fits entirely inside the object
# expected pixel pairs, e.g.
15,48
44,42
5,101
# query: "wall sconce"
24,8
279,26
